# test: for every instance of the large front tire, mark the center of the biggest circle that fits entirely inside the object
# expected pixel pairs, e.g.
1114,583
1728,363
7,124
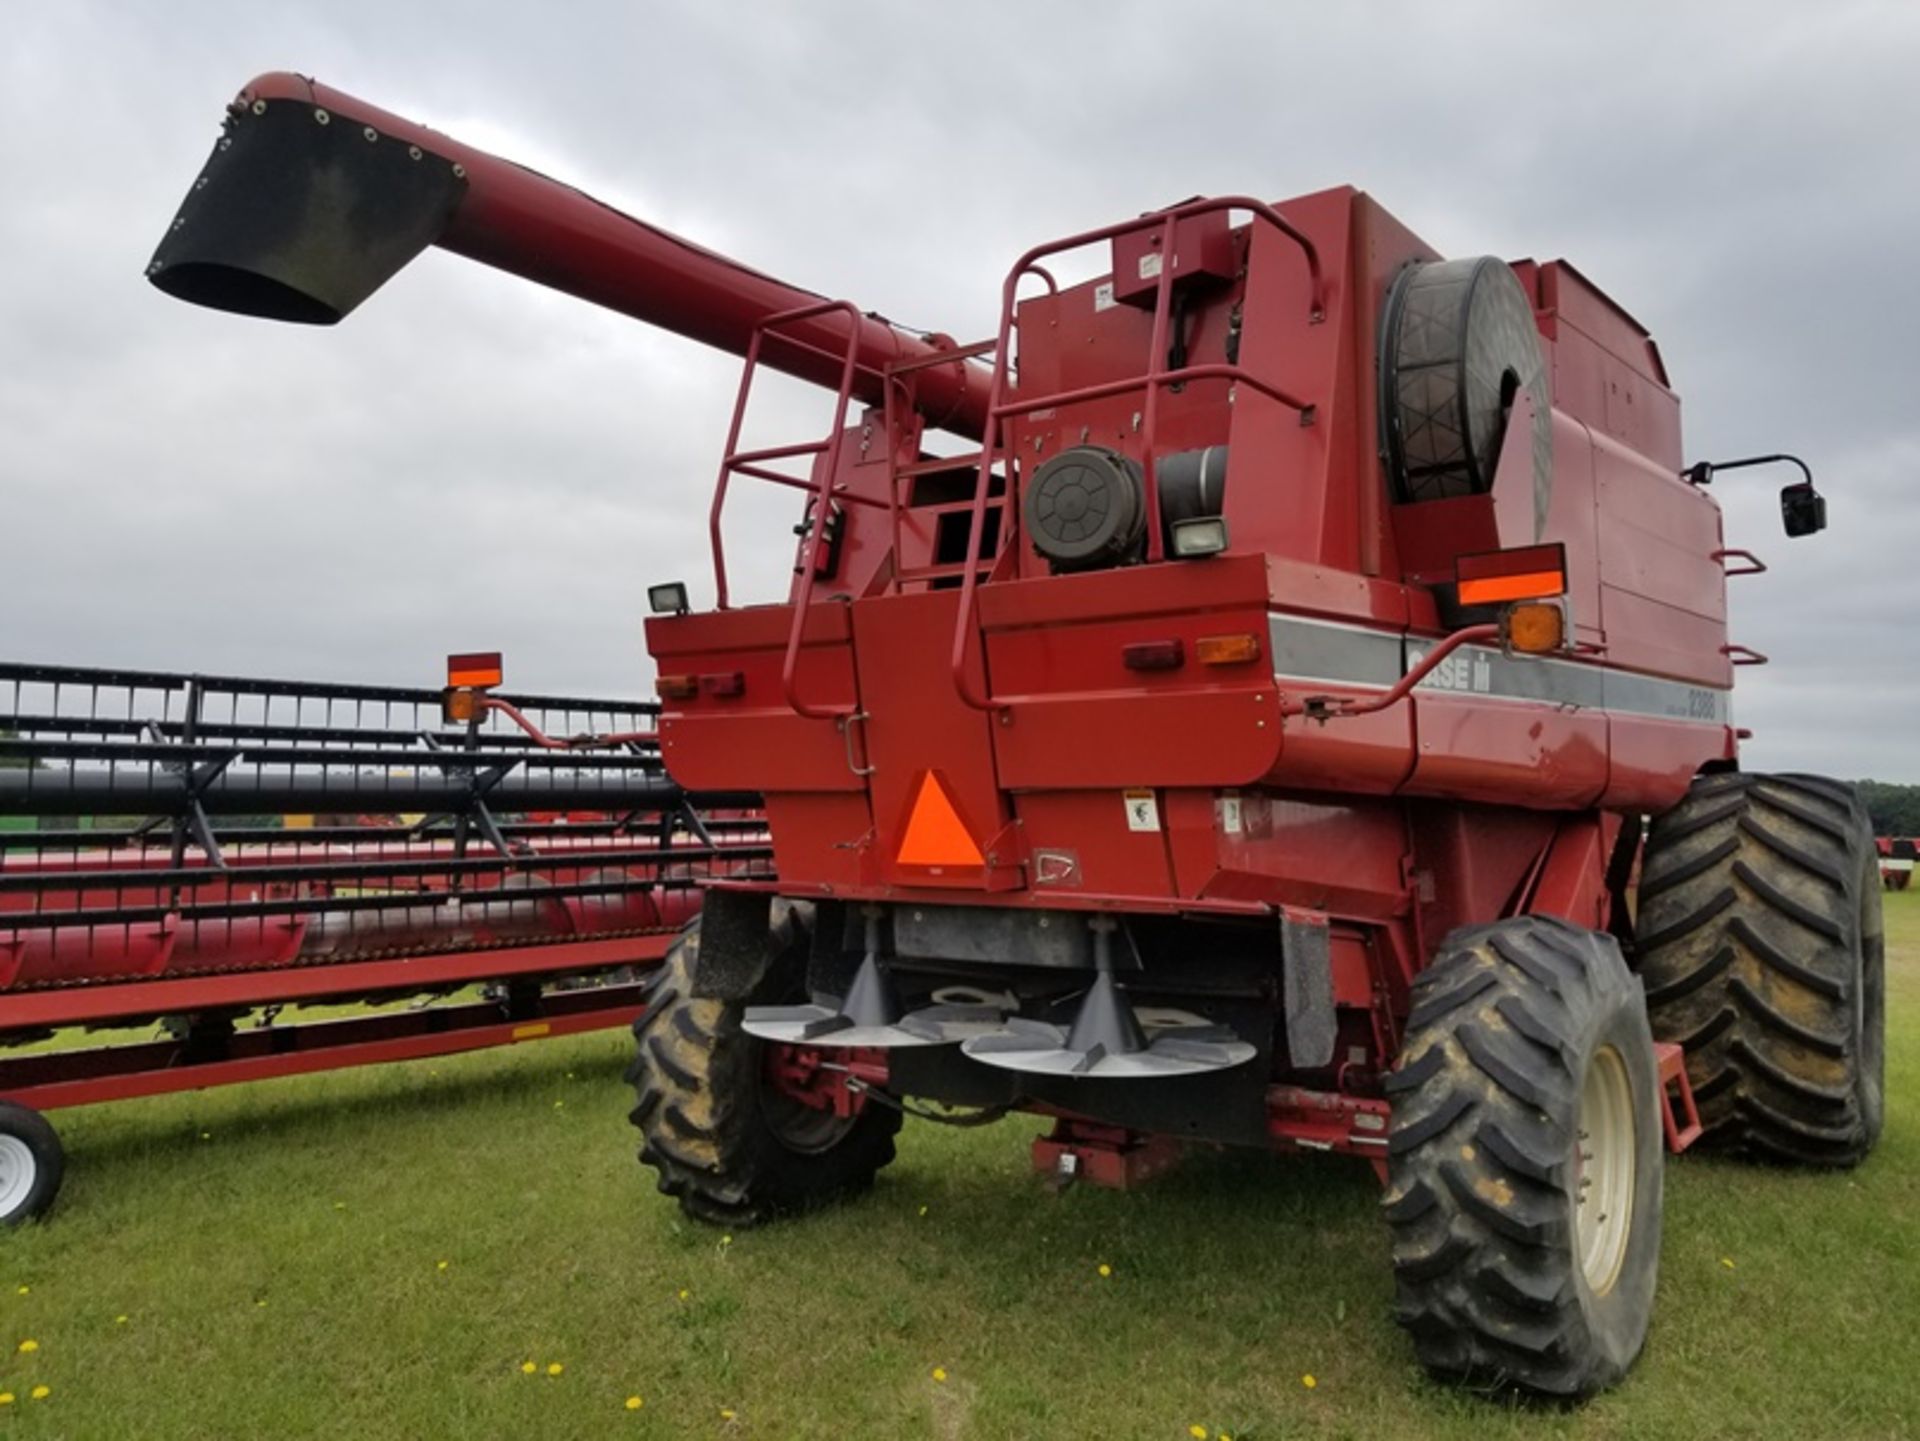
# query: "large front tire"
728,1146
1764,956
1525,1161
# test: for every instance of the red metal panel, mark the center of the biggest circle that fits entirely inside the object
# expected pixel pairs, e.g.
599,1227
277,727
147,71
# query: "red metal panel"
1080,842
1654,760
821,838
1343,858
754,740
1508,752
919,723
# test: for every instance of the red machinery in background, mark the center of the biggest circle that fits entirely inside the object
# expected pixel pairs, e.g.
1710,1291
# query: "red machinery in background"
202,853
1253,740
1897,855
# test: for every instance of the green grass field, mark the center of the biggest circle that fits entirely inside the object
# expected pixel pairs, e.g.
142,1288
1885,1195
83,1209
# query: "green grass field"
380,1253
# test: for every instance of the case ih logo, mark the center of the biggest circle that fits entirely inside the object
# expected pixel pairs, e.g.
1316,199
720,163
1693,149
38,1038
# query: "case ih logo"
1461,671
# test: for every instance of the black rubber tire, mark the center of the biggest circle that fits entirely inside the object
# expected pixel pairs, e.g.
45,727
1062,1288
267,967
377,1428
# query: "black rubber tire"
47,1157
1763,953
1485,1165
704,1108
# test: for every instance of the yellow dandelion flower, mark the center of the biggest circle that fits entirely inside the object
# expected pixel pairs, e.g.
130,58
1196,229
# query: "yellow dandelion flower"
527,1368
684,1293
1197,1431
441,1265
119,1320
29,1346
726,1240
939,1373
555,1369
6,1398
558,1104
40,1393
725,1414
1727,1261
634,1403
1105,1269
26,1290
923,1210
1222,1436
261,1302
1308,1382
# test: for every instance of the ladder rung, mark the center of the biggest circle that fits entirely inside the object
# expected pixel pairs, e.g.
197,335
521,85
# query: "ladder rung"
939,465
776,452
941,572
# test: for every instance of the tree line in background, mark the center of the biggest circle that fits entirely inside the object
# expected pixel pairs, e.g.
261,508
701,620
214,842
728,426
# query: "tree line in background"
1895,809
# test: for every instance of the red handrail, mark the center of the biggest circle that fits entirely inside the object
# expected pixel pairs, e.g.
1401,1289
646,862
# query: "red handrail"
999,409
748,462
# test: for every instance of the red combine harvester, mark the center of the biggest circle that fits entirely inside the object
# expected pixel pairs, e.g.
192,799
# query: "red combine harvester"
1250,741
203,852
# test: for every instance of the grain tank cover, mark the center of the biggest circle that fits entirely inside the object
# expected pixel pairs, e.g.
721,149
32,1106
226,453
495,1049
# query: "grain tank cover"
300,215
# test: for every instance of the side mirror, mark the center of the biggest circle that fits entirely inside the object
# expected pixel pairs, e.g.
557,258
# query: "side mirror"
1803,510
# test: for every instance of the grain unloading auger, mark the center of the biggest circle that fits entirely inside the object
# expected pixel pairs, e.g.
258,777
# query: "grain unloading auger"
1255,741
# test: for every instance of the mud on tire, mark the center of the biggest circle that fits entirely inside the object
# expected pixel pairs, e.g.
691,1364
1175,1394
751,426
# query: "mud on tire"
1524,1105
730,1148
1761,945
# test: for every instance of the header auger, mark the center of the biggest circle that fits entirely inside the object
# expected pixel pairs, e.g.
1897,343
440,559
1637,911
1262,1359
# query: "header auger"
1255,741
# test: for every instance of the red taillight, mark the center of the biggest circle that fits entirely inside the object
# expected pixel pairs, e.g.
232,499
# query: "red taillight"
1154,655
676,687
724,683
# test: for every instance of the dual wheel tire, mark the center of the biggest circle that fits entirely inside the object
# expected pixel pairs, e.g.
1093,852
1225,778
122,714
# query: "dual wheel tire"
722,1139
1764,955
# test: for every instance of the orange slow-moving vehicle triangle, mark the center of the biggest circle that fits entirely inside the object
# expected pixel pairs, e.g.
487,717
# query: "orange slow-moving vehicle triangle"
936,836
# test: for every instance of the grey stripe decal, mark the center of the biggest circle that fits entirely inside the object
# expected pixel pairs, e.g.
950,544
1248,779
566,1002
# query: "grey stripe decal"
1328,651
1338,654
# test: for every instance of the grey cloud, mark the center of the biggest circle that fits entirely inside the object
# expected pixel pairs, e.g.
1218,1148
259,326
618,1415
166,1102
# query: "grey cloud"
469,462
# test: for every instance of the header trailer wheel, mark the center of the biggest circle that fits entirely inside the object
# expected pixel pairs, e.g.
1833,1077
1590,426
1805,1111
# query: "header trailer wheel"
32,1163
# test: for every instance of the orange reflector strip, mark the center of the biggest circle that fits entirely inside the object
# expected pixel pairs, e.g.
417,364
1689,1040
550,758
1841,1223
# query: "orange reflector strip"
476,668
936,836
1522,572
1498,588
1227,649
533,1032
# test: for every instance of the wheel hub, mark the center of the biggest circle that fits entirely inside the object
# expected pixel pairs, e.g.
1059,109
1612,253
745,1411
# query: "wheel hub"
17,1172
1603,1167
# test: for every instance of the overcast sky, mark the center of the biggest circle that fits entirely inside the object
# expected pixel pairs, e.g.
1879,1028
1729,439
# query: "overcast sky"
469,463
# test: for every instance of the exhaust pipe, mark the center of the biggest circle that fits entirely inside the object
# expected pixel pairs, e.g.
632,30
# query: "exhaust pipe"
312,200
